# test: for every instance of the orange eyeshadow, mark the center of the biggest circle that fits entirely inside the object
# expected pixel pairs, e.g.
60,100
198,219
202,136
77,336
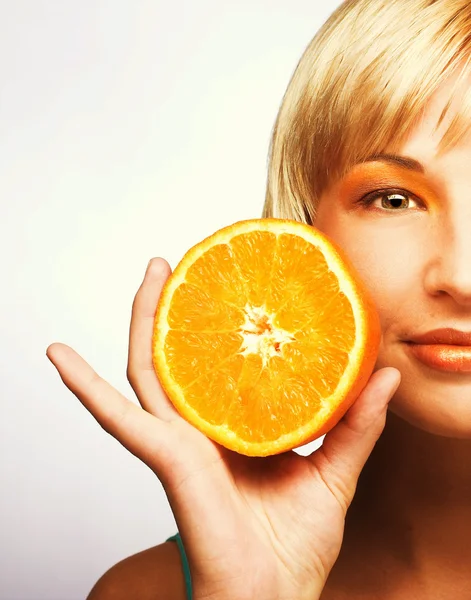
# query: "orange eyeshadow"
366,177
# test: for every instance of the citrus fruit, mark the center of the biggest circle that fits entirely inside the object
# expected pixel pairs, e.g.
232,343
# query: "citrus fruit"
264,335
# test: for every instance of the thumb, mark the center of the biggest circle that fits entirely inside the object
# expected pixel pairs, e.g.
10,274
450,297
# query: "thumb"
348,445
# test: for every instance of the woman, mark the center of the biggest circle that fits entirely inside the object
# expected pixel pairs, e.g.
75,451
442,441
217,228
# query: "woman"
371,146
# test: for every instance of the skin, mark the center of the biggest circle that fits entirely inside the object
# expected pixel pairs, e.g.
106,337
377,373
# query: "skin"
407,529
409,526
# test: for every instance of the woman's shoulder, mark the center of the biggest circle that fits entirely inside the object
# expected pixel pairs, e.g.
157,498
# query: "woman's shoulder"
153,574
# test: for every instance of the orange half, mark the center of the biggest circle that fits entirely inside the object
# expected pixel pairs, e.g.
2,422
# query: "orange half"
264,336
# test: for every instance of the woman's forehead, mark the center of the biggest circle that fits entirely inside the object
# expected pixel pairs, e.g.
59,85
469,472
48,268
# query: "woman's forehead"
444,107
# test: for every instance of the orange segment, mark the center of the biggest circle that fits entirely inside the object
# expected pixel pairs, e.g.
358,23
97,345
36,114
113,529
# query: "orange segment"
253,253
215,392
216,272
298,267
191,354
196,309
264,336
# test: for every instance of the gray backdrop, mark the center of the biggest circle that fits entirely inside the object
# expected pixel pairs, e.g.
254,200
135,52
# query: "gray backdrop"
127,130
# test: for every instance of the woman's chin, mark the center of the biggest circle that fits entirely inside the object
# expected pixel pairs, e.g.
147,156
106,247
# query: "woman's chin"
433,400
441,415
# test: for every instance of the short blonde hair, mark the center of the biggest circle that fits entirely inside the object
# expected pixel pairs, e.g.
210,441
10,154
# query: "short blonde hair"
358,88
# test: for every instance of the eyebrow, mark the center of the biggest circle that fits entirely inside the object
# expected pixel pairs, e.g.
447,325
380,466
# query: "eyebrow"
403,161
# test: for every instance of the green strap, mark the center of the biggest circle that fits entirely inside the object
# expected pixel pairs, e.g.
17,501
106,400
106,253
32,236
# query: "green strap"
186,566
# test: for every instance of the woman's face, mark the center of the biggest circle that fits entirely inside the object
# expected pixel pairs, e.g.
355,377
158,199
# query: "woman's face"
410,240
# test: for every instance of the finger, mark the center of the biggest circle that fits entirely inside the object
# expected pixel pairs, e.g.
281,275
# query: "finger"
141,433
348,445
140,369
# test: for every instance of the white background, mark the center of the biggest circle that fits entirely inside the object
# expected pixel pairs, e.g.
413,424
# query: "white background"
128,129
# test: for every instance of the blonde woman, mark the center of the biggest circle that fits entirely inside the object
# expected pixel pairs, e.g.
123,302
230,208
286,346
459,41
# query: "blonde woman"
371,146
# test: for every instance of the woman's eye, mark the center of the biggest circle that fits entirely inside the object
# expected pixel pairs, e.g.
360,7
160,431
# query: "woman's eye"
390,200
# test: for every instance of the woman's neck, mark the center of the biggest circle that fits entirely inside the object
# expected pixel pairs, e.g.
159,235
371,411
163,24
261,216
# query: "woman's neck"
413,504
415,473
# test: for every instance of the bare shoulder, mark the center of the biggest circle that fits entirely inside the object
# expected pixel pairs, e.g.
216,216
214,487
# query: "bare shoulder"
153,574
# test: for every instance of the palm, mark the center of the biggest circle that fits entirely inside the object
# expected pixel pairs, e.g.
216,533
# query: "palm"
283,492
268,504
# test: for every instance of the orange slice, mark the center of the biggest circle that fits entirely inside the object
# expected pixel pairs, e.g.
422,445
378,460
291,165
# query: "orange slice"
264,336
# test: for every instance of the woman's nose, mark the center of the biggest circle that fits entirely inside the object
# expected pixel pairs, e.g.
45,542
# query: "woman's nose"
449,268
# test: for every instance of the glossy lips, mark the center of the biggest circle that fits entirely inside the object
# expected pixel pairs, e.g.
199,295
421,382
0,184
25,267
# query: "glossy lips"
443,349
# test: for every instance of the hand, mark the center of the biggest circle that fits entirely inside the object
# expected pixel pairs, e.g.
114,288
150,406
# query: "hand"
252,527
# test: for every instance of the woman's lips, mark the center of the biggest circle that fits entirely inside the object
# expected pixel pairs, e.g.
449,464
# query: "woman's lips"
444,357
446,349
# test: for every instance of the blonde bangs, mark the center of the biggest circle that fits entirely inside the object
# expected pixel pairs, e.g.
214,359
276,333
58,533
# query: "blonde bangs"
360,86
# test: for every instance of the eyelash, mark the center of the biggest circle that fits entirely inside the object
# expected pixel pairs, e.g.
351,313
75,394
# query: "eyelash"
368,199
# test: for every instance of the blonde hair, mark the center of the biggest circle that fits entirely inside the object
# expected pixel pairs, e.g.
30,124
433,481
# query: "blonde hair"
360,85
